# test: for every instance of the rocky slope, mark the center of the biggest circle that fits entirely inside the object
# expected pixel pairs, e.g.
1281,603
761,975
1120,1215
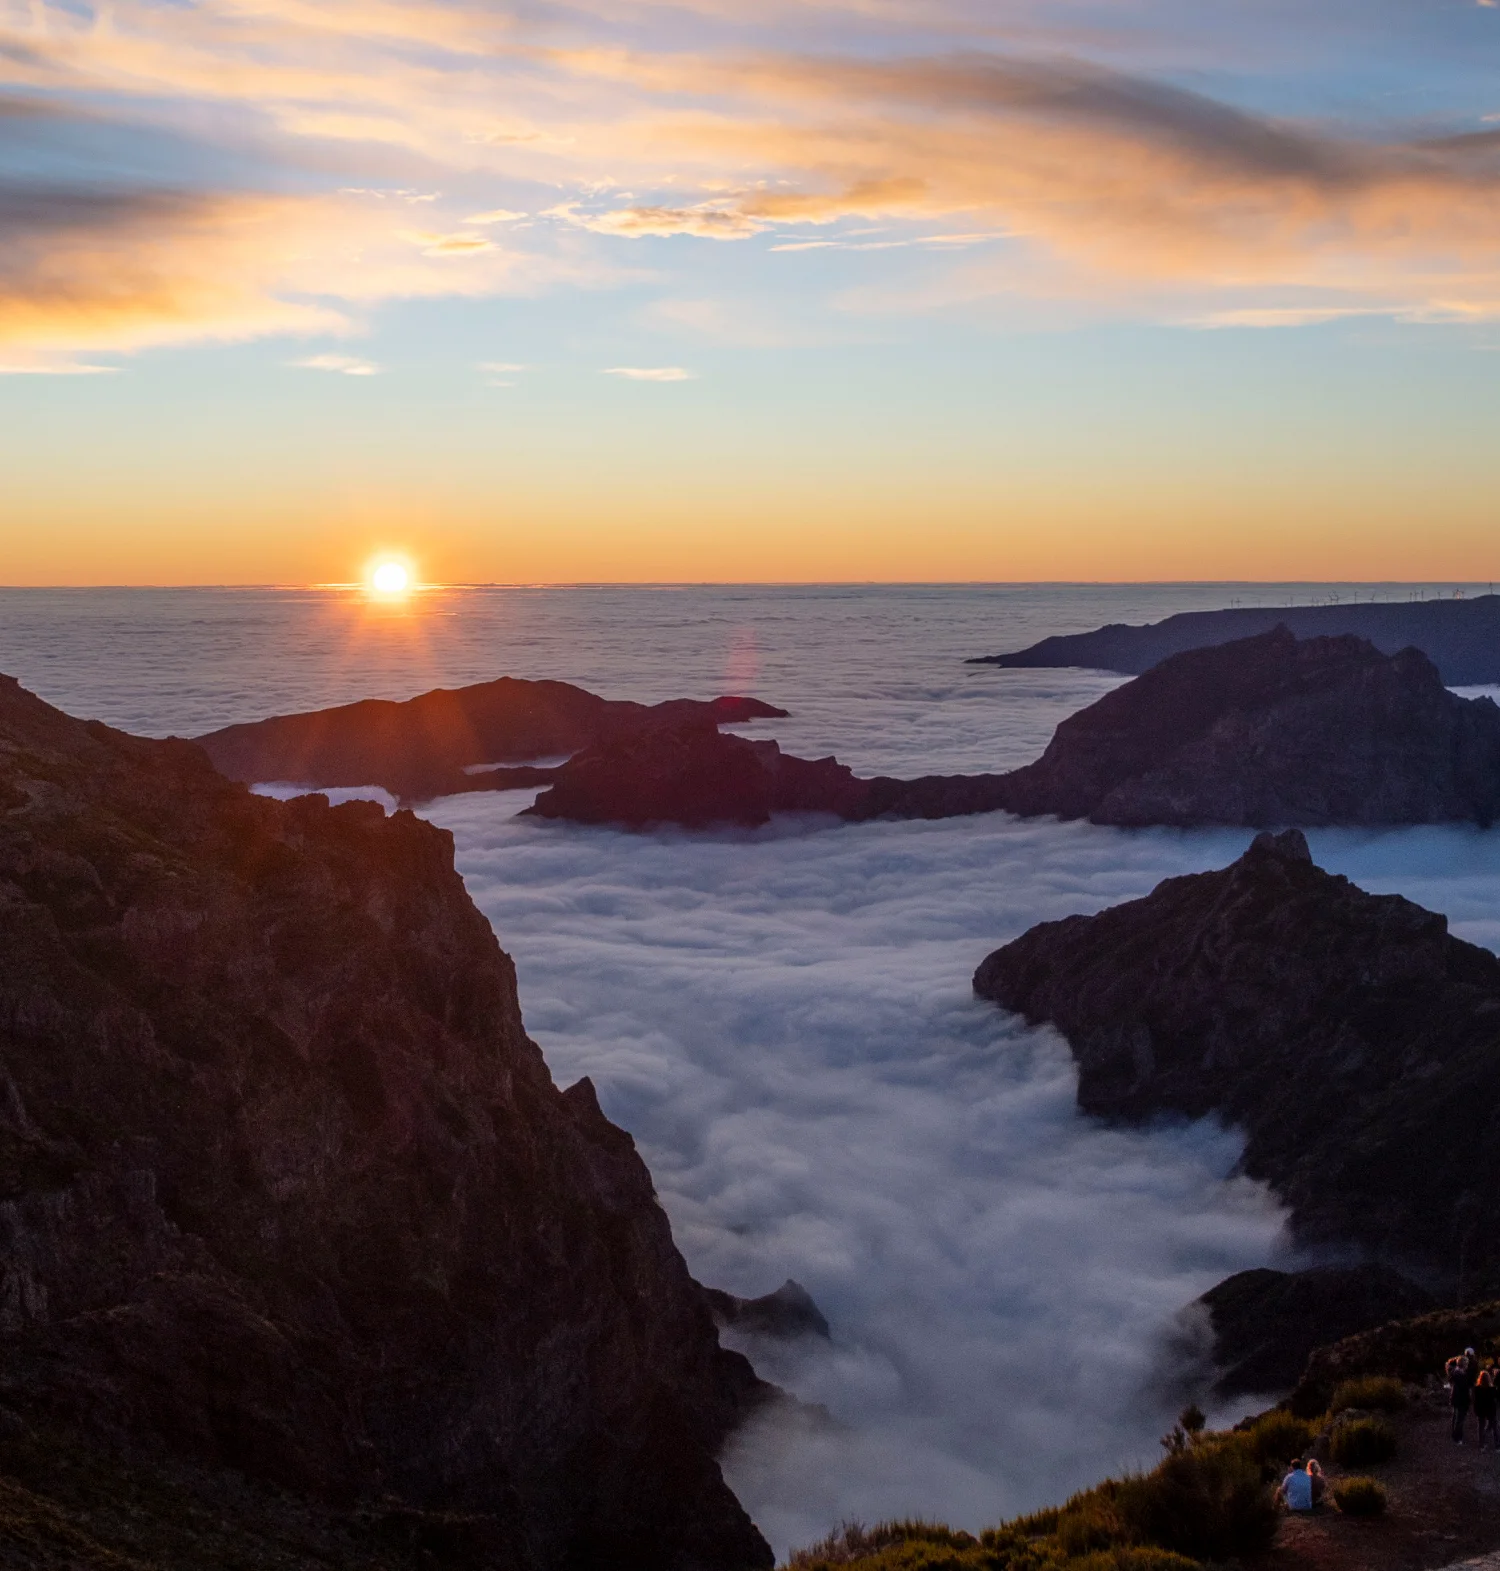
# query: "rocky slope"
421,748
1413,1350
1271,731
1266,1324
1350,1035
1460,637
286,1192
1267,731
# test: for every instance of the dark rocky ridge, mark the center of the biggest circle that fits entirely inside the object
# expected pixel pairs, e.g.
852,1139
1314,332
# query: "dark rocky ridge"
285,1189
1411,1350
1460,637
1266,1324
1264,732
1271,731
1350,1035
695,775
421,748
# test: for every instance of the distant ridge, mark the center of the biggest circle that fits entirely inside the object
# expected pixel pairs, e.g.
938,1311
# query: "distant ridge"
1460,637
433,745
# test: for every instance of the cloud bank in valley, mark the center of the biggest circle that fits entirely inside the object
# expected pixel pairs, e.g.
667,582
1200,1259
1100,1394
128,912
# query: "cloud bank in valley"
784,1021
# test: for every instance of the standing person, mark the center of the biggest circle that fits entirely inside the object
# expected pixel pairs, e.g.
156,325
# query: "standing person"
1486,1402
1461,1385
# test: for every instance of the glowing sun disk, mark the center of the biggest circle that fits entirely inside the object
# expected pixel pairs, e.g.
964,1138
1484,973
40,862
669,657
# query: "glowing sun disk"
390,578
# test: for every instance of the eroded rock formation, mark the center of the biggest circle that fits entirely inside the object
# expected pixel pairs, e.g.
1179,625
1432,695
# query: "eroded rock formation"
285,1188
1351,1036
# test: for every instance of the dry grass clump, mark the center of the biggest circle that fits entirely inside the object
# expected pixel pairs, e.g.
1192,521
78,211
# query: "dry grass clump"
1359,1497
1210,1499
854,1543
1369,1394
1363,1442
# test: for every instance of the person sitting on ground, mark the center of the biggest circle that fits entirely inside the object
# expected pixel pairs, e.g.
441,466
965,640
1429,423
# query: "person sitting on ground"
1486,1401
1460,1372
1319,1481
1296,1490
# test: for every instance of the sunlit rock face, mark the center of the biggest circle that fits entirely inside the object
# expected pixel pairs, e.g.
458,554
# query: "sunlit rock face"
287,1189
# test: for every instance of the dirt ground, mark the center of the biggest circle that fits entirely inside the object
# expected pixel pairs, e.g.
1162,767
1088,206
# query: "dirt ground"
1444,1508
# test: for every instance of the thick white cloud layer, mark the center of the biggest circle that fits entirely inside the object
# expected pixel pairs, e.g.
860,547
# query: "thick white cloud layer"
784,1021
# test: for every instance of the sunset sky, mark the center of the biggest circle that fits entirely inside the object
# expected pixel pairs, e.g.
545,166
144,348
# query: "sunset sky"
790,289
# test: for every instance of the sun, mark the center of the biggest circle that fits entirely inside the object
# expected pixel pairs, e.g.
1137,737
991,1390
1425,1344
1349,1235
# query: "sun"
390,578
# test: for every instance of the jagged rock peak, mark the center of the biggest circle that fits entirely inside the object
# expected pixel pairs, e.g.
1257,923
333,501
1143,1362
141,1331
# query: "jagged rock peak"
1289,844
1353,1039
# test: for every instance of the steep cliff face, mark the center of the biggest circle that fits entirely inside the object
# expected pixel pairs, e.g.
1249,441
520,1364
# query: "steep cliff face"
421,748
1273,731
1355,1041
285,1188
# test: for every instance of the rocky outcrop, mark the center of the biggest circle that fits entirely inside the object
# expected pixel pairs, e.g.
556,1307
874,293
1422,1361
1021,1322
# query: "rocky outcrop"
1351,1037
787,1313
1411,1350
286,1190
1265,732
427,746
1266,1323
1273,731
696,776
1460,637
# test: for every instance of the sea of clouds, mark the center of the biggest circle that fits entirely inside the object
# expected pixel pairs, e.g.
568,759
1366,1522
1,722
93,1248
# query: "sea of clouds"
784,1020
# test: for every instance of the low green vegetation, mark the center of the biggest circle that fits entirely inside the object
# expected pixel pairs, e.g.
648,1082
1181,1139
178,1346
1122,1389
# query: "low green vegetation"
1363,1442
1359,1497
1209,1499
1369,1394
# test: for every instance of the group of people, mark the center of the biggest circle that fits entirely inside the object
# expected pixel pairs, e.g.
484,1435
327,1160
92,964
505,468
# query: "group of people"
1304,1486
1473,1388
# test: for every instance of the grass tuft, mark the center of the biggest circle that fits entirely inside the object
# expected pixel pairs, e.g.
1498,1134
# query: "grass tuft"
1363,1442
1359,1497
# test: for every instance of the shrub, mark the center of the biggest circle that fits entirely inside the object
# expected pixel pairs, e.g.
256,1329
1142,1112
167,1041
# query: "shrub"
1371,1393
1363,1442
1136,1560
890,1546
1277,1436
1359,1497
1209,1503
1088,1523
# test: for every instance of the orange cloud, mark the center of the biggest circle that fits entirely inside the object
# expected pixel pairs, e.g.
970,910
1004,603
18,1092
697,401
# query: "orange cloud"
1109,187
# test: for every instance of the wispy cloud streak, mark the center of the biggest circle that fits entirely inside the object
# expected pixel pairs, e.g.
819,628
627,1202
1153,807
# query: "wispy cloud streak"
781,125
